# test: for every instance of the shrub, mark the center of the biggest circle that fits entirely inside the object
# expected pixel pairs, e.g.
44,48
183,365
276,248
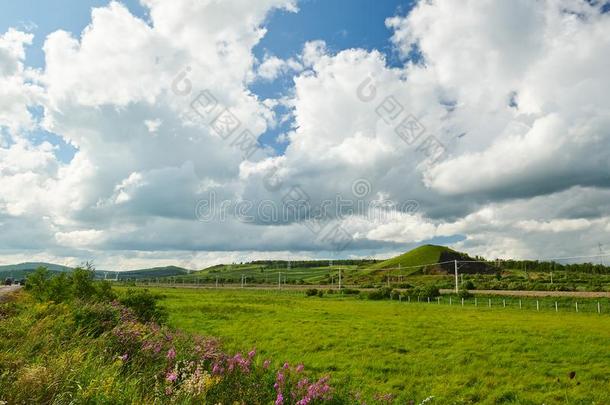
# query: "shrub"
350,291
144,305
427,291
320,293
380,294
78,284
468,285
310,292
464,293
37,284
97,318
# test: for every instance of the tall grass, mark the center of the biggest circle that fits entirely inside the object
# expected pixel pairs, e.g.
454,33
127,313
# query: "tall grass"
70,340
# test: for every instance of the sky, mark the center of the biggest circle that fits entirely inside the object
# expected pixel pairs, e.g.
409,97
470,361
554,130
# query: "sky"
196,132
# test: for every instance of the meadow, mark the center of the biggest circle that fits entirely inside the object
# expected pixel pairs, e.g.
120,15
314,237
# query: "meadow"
412,350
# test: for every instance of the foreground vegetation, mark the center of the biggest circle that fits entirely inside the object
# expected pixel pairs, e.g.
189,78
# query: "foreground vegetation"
72,340
413,351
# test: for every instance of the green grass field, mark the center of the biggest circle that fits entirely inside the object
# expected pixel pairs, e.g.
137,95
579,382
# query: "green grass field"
457,355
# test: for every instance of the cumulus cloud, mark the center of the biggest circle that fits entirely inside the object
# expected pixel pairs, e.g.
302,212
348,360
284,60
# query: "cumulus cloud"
497,125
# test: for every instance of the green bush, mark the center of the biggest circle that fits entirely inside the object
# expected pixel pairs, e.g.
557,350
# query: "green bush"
350,291
468,285
464,293
427,291
79,284
144,305
95,319
380,294
311,292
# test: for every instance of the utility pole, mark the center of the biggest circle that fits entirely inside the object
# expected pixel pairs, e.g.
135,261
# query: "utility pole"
456,276
339,279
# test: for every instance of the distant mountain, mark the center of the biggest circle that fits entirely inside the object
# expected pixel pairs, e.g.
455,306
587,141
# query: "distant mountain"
166,271
23,269
34,266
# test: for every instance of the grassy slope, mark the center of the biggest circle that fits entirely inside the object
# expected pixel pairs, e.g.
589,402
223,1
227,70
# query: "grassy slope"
456,354
419,256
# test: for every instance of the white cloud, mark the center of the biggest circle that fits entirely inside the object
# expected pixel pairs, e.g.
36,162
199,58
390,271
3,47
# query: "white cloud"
515,91
272,67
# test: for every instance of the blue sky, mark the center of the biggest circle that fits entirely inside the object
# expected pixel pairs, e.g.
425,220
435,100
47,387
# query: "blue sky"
497,191
342,24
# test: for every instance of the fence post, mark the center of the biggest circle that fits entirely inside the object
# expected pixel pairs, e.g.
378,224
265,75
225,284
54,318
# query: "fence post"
409,298
428,300
576,306
537,305
449,300
519,304
475,302
556,308
599,308
489,302
438,299
504,303
462,301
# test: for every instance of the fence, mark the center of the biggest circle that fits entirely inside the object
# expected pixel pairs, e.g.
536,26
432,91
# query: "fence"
546,304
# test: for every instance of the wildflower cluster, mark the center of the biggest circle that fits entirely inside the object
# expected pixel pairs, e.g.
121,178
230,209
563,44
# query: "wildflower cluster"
293,387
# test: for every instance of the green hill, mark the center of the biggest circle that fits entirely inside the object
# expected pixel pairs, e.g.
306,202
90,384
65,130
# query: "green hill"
426,254
425,257
31,266
167,271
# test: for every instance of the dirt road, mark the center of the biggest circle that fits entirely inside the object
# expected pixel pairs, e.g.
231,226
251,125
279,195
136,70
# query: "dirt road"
6,289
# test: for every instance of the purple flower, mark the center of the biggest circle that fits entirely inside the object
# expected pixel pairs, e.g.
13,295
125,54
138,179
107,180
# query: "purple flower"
300,368
252,353
266,364
280,399
124,357
171,376
171,354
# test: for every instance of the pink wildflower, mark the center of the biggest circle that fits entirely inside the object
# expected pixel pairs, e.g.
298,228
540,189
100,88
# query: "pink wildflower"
171,354
171,376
